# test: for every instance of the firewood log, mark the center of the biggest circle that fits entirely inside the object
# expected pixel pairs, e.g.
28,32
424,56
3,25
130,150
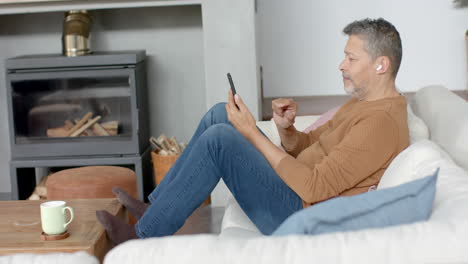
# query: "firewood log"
68,124
163,141
182,146
99,130
34,197
87,132
41,189
112,127
84,127
79,124
175,144
155,144
57,132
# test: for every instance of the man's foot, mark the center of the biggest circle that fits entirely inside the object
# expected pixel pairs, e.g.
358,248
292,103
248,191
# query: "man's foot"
117,230
137,208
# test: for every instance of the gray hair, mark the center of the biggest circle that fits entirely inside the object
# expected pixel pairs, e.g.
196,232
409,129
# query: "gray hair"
382,39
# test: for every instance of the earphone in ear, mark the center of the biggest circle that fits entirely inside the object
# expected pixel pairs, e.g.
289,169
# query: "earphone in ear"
379,67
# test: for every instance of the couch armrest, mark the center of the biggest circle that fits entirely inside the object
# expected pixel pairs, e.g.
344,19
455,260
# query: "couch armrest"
80,257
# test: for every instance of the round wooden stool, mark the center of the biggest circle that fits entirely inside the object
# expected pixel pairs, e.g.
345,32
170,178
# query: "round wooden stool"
90,182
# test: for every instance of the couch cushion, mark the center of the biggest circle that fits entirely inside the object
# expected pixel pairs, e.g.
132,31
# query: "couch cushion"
322,120
270,130
403,204
235,219
416,161
446,115
417,128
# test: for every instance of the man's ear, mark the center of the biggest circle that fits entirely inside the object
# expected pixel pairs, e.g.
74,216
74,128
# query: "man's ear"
382,64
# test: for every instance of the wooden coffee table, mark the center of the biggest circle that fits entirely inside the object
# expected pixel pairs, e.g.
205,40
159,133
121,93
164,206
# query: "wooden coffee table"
20,228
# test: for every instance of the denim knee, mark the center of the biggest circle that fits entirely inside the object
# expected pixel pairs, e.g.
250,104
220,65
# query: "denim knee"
216,114
221,134
218,107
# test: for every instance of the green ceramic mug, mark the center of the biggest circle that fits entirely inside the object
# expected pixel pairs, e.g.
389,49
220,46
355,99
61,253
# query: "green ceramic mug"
53,217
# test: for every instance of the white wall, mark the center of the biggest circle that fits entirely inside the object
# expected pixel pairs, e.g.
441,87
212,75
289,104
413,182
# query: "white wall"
230,46
172,37
301,44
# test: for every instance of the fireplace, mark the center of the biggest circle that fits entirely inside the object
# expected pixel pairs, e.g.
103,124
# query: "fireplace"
48,93
77,111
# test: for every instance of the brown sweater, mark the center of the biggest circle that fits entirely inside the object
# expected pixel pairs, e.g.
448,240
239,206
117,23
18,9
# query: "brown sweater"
349,153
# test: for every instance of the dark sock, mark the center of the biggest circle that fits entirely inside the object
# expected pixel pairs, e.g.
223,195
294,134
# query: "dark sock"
137,208
117,230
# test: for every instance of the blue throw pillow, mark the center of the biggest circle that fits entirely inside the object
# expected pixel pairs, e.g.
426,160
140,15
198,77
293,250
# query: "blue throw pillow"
403,204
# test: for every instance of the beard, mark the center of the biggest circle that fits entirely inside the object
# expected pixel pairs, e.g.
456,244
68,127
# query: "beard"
351,89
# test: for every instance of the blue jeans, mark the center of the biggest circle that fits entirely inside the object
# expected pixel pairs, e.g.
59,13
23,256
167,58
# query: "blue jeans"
217,150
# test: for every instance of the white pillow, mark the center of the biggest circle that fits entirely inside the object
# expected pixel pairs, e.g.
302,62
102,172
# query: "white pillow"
416,161
418,130
271,131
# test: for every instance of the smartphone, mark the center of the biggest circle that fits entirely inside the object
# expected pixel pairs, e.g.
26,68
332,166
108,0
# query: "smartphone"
233,89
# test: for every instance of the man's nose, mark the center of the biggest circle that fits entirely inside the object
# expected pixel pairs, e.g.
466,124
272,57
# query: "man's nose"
342,65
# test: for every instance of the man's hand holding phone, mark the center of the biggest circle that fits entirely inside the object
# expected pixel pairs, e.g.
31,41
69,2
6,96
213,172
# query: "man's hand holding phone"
284,112
238,113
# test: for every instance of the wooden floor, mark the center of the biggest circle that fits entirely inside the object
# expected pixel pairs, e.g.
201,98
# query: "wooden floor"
205,220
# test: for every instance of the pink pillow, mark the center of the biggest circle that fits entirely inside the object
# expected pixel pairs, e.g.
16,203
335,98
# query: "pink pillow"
322,120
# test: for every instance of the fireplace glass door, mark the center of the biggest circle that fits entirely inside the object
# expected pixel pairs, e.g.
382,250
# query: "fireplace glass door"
67,109
74,111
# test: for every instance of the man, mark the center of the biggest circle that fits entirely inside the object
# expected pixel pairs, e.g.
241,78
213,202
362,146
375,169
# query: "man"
346,156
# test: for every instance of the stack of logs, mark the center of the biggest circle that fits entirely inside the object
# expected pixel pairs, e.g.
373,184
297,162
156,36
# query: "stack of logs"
86,126
167,146
40,192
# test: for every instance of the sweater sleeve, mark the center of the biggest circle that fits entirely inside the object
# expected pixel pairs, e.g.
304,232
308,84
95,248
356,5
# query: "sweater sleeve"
367,146
304,140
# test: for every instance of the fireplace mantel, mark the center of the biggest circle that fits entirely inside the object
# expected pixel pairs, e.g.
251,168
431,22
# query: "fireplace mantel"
38,6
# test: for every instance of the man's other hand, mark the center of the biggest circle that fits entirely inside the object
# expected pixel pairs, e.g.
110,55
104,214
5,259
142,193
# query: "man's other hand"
284,112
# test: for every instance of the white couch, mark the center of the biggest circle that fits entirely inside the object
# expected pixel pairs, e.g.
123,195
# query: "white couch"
441,239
